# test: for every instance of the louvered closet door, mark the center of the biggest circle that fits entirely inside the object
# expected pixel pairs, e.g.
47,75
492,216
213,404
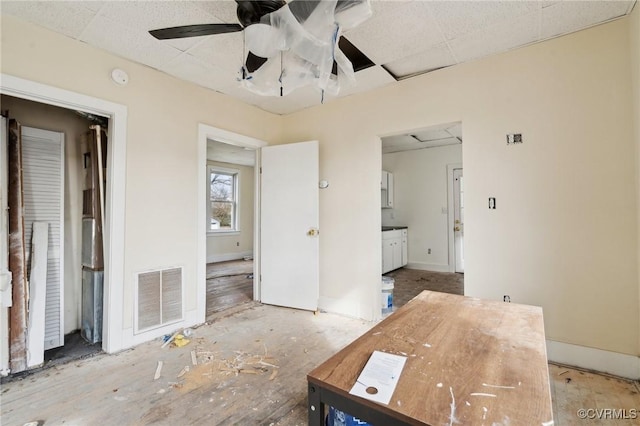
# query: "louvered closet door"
43,175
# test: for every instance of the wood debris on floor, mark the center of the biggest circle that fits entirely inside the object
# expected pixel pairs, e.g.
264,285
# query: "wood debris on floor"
246,366
204,382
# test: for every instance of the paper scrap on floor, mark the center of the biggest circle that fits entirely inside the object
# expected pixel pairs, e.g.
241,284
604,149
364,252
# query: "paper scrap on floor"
379,377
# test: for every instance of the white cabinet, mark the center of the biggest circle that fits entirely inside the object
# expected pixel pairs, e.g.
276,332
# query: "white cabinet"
394,249
386,188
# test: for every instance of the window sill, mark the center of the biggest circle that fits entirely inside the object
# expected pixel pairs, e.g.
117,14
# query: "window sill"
222,233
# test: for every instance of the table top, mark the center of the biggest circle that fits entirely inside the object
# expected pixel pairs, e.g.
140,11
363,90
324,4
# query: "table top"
469,360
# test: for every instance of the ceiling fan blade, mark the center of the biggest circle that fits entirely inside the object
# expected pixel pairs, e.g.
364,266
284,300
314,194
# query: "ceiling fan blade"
194,30
254,62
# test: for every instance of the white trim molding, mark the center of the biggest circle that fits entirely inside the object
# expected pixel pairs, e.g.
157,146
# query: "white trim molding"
114,282
622,365
206,132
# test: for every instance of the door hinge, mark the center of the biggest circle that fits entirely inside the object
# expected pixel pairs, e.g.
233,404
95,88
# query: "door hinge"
260,170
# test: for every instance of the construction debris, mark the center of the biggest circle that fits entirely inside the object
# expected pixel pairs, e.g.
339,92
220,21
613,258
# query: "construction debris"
158,371
183,371
179,341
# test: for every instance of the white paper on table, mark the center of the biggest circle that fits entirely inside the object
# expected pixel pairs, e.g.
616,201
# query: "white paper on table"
381,373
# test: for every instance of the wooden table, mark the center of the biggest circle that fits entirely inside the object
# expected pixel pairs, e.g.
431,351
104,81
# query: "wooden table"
469,361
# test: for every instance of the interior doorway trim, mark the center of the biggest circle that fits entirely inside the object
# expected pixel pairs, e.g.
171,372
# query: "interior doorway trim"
112,334
450,215
206,132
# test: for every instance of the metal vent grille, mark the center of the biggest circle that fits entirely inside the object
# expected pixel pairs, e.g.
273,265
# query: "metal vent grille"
159,298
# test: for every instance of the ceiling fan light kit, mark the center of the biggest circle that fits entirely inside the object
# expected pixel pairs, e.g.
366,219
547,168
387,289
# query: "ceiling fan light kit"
289,45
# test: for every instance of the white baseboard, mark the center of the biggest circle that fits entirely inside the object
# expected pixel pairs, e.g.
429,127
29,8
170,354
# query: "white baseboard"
427,267
228,256
615,363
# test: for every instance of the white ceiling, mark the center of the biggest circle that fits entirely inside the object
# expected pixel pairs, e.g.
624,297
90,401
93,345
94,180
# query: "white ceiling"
430,137
403,38
232,154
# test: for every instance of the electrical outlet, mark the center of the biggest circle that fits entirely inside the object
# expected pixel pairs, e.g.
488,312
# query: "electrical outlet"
514,138
506,298
237,243
428,251
492,203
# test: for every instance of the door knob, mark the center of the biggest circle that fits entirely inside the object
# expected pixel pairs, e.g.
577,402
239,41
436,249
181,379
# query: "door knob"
312,232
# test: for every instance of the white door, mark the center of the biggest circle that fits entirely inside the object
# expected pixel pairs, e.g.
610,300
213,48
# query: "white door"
458,218
289,243
43,174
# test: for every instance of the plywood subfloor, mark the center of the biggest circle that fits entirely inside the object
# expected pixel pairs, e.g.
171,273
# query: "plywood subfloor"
228,284
119,389
573,390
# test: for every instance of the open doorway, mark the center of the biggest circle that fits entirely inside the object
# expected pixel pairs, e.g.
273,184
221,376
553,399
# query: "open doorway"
420,205
230,225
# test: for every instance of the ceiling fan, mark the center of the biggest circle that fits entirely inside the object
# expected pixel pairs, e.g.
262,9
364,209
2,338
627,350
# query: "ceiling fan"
308,31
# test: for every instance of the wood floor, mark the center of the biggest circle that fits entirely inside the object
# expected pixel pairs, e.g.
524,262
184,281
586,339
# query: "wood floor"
410,282
228,284
252,362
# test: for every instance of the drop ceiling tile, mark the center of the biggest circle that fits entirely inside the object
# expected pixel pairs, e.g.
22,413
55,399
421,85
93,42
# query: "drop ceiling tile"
153,15
223,50
434,58
384,7
131,43
190,68
384,38
498,38
457,18
224,10
304,97
455,130
227,153
431,134
367,79
568,16
68,18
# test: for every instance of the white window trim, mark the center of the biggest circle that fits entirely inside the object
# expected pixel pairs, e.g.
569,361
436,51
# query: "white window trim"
236,188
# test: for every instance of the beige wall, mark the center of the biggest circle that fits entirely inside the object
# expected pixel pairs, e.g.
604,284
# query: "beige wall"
41,116
161,153
564,236
420,194
634,48
236,245
564,233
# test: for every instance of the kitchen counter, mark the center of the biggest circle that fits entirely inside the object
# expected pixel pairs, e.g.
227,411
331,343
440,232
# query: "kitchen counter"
393,228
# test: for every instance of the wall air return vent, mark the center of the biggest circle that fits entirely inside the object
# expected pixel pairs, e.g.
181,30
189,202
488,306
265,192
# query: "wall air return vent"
159,298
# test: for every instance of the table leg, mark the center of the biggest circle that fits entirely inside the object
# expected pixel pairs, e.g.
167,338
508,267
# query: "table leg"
316,412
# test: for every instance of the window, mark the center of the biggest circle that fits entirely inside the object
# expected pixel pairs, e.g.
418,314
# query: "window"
223,200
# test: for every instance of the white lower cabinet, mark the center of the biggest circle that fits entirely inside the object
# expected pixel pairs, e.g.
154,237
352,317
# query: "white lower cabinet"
394,249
